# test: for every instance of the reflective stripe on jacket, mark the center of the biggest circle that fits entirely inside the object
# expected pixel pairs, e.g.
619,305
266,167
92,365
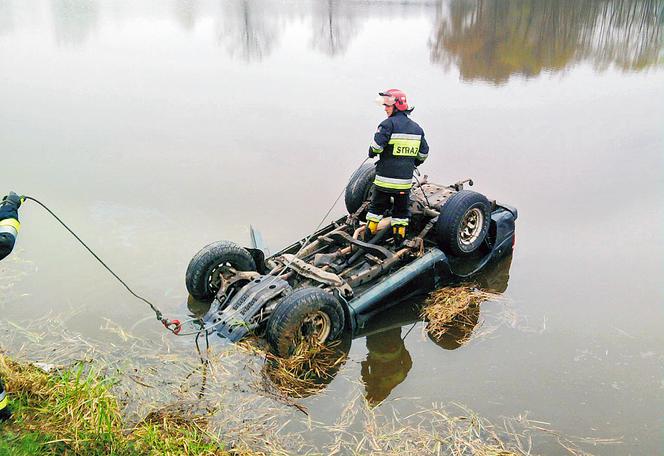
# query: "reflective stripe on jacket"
400,144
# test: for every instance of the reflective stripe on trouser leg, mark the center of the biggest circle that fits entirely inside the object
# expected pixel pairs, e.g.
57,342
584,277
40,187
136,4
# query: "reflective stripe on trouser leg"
401,213
371,217
380,202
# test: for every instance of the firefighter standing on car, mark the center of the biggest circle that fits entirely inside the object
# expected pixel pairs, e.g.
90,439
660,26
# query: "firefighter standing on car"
9,226
400,145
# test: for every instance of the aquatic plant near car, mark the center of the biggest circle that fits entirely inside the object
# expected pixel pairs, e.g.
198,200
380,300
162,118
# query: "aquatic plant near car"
449,304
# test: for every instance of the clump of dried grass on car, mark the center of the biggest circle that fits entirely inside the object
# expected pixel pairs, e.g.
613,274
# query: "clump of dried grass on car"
310,367
308,370
447,306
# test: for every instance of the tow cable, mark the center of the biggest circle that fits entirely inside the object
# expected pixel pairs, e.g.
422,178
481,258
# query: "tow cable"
173,326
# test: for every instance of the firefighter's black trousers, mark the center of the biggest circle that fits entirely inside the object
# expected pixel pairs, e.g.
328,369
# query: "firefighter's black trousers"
380,202
5,414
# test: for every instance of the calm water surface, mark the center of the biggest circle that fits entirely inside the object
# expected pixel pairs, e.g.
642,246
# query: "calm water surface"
155,128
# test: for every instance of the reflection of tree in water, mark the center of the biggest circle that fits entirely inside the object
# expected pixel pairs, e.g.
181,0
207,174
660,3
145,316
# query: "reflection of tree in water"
629,35
249,29
74,20
493,40
333,26
6,16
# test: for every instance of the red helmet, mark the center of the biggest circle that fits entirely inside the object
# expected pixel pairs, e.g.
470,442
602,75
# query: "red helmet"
396,98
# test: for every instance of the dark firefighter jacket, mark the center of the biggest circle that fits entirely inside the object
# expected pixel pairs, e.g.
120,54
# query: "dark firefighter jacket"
9,227
400,144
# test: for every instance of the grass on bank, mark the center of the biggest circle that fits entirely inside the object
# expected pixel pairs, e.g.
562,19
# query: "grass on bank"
73,412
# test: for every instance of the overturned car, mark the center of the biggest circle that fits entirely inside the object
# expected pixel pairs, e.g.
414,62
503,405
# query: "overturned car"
339,276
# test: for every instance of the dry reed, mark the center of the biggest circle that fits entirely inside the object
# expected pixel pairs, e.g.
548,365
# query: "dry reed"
309,369
249,397
452,305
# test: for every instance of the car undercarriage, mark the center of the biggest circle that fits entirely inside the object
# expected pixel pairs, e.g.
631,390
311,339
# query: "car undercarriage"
322,275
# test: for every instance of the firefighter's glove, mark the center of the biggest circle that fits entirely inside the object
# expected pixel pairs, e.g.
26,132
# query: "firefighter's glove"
12,199
372,154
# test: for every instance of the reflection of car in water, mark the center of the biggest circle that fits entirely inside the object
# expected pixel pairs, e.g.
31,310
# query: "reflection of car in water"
339,277
388,361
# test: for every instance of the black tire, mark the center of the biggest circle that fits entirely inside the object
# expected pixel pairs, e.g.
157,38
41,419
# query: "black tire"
455,232
287,325
204,264
359,187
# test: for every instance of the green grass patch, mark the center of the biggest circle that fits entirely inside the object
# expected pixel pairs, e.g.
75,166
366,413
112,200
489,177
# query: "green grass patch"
73,412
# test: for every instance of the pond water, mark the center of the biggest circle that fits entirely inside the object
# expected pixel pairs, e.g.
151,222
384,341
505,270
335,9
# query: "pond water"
154,128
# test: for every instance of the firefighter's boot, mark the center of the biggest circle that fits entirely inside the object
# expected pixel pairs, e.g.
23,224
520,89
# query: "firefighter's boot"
399,234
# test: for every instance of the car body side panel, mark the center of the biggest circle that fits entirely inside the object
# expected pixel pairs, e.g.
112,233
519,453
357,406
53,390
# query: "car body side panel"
368,302
434,269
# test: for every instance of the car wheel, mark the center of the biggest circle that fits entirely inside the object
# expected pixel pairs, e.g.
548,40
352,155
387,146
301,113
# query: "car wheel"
206,268
307,315
358,189
463,223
